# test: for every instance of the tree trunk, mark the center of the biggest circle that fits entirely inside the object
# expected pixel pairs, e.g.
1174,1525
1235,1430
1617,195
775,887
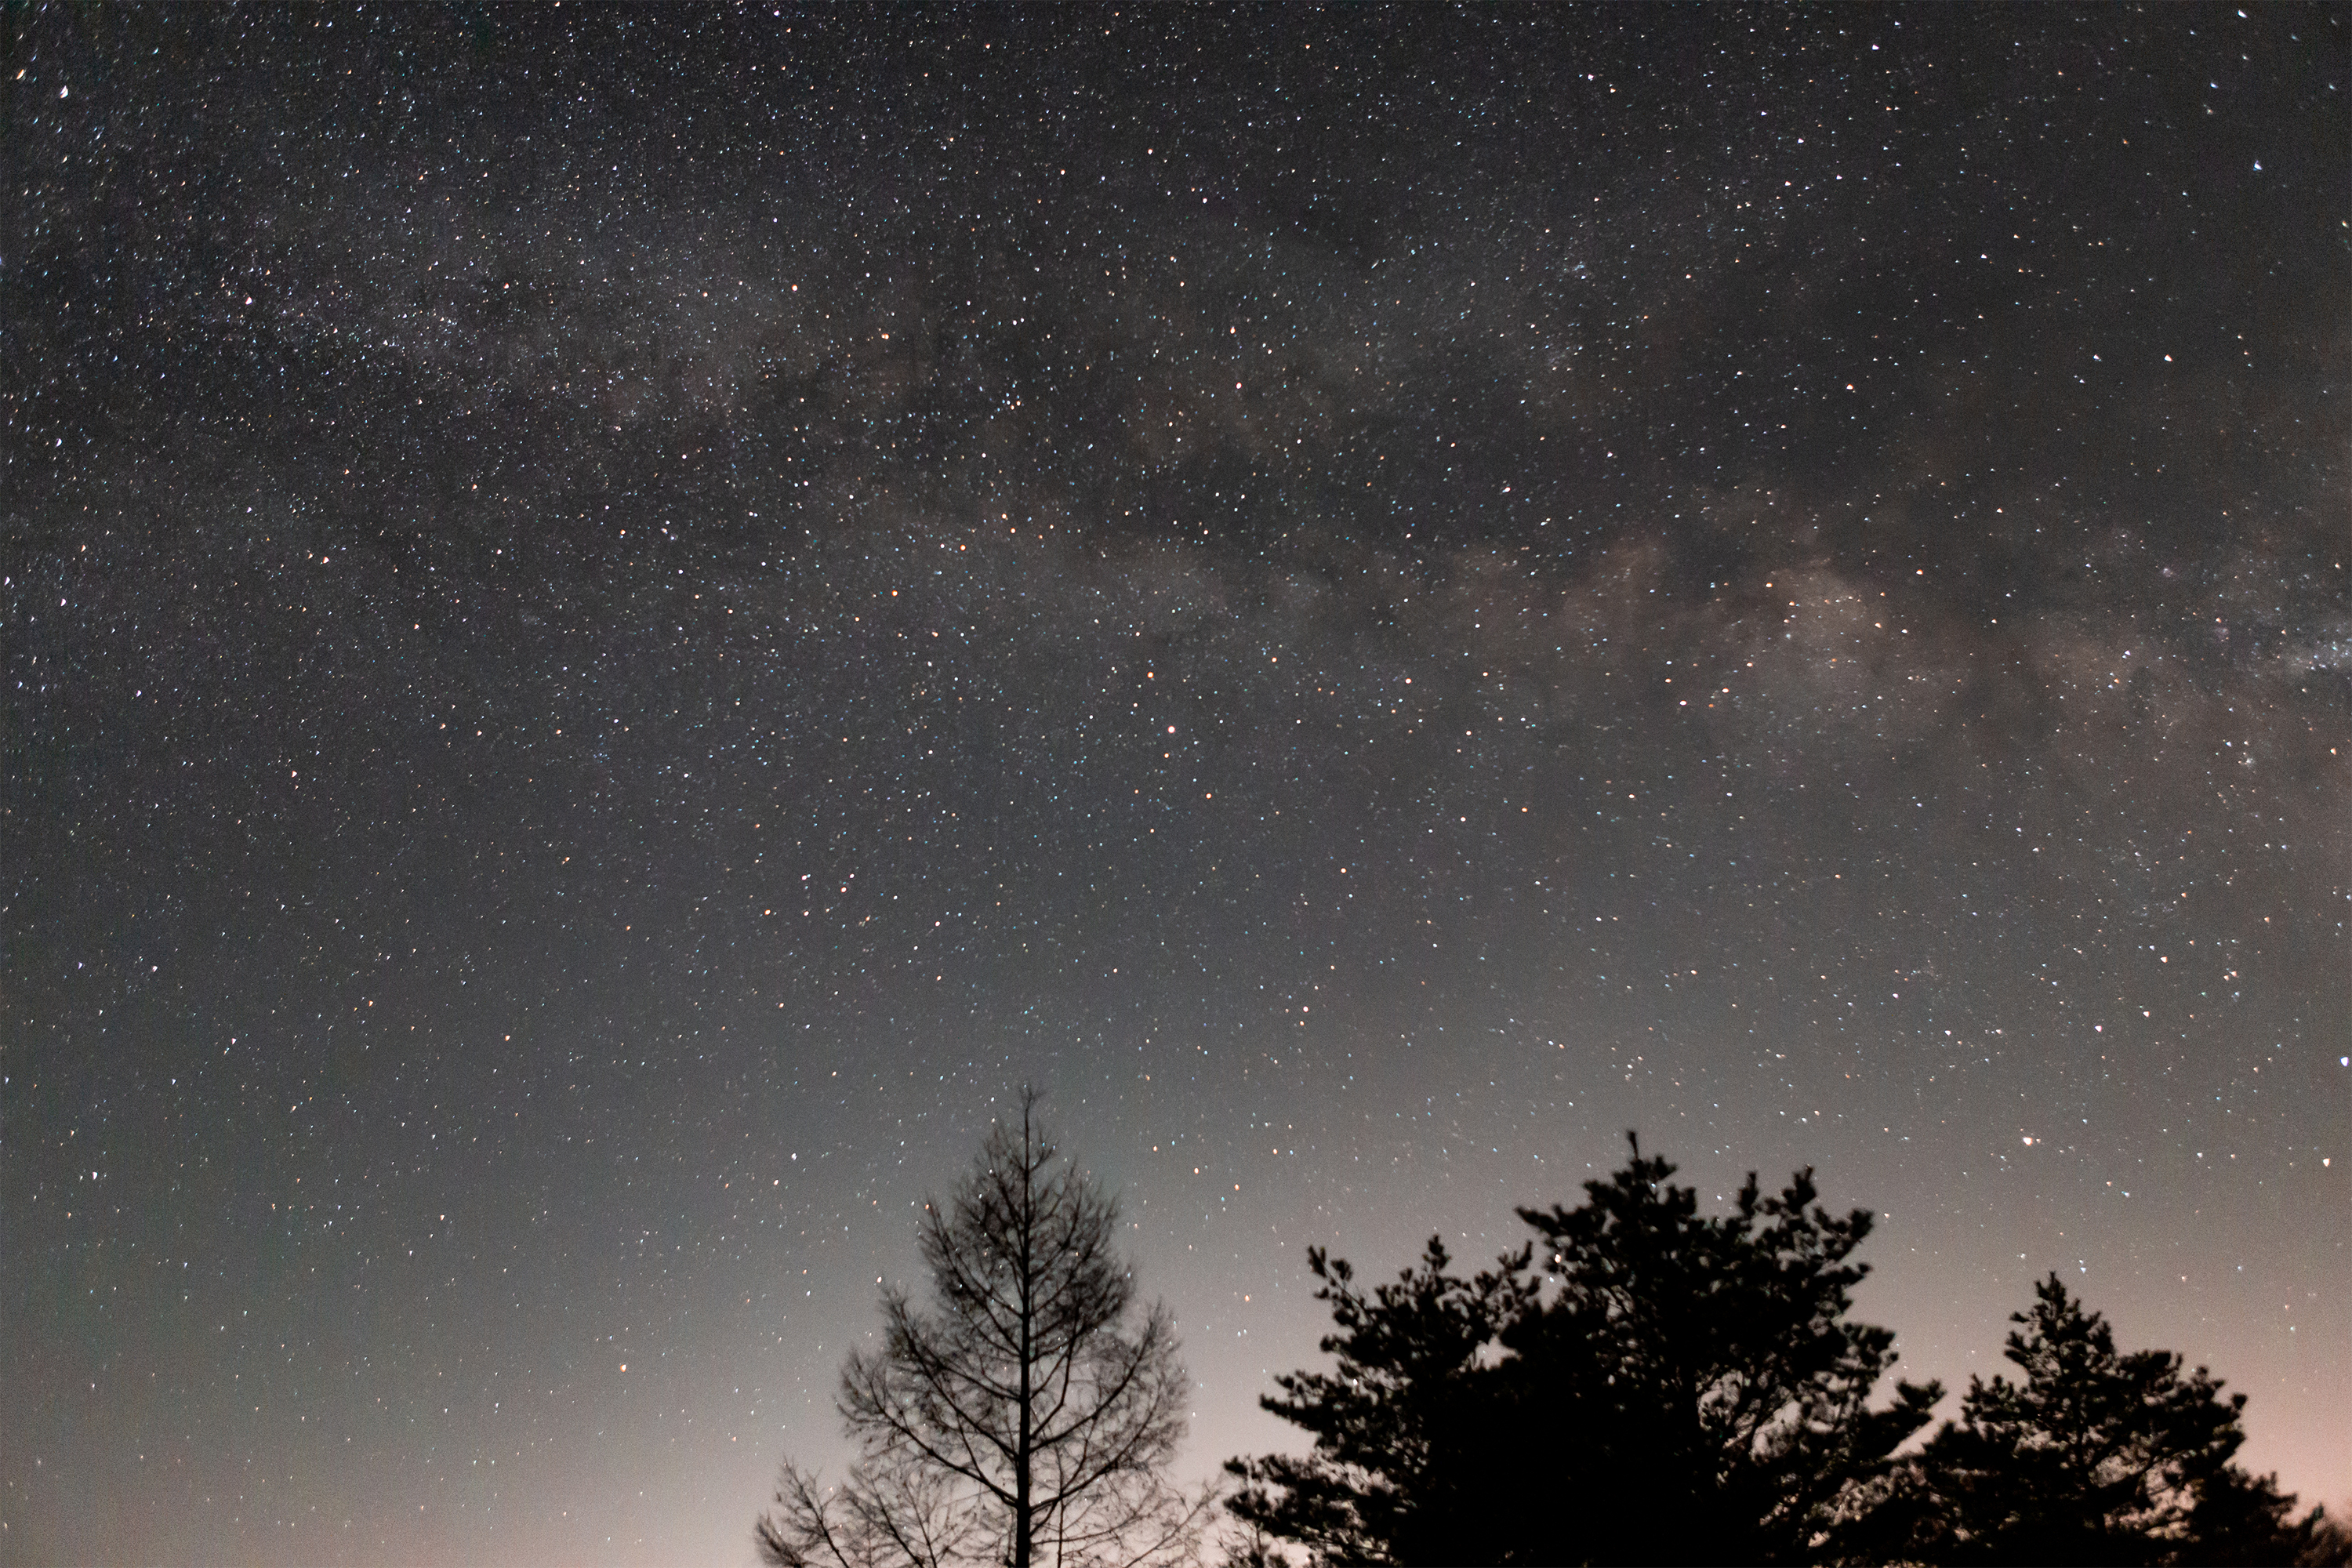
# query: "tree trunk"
1023,1531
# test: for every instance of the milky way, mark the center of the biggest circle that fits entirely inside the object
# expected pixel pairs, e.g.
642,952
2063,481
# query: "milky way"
616,627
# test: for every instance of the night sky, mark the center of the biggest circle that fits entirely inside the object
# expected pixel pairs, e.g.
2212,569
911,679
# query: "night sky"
616,624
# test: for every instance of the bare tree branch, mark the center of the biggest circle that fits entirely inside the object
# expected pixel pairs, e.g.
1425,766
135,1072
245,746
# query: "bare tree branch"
1028,1414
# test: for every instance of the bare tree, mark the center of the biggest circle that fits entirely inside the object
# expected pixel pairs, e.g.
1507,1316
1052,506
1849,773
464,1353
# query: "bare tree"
1028,1416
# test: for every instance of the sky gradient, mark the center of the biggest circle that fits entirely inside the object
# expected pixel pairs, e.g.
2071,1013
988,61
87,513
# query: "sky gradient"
618,622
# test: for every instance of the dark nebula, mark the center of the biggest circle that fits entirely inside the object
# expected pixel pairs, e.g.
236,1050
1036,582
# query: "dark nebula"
618,622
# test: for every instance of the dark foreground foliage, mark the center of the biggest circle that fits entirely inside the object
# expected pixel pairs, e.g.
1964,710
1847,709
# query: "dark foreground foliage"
1640,1383
2093,1457
1643,1384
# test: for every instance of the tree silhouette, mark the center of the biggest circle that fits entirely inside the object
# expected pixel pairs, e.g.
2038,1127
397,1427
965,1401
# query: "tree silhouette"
2097,1458
1399,1445
1661,1387
1028,1416
1713,1359
2330,1542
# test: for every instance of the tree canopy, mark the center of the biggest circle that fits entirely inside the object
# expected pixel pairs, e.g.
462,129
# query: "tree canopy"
1641,1383
1401,1426
2096,1457
1028,1415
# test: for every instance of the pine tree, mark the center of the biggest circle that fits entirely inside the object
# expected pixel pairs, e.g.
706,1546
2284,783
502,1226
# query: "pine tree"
1660,1387
1399,1442
1712,1361
2098,1457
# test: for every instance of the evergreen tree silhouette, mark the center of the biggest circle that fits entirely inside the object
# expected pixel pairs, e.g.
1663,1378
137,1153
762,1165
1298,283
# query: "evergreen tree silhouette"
1720,1389
2097,1458
1399,1442
1662,1386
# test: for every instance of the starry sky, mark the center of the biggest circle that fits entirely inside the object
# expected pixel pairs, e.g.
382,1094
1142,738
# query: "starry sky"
618,622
